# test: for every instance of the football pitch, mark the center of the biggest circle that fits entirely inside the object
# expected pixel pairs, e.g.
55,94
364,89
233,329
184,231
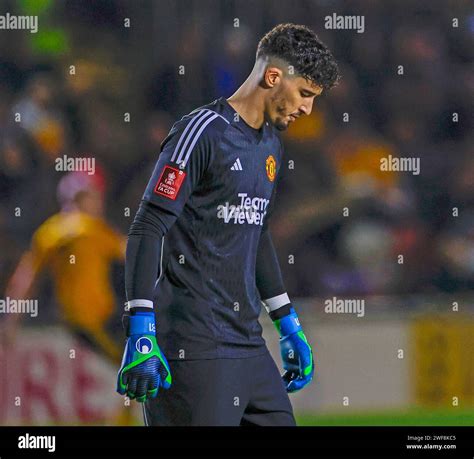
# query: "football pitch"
416,417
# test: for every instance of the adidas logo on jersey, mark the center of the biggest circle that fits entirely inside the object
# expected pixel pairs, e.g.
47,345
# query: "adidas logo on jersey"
236,166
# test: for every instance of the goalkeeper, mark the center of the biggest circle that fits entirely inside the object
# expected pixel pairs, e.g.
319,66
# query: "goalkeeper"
200,256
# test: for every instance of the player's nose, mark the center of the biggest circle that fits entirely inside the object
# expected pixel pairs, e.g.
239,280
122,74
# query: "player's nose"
307,108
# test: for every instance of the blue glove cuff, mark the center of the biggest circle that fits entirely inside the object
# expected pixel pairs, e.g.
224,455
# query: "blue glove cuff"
142,323
289,324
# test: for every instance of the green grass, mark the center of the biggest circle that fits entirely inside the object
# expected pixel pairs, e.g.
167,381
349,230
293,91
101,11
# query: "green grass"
418,417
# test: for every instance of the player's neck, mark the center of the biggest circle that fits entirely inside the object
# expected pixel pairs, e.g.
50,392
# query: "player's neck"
249,104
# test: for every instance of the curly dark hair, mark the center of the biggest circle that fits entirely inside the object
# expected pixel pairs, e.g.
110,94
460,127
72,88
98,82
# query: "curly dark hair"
300,47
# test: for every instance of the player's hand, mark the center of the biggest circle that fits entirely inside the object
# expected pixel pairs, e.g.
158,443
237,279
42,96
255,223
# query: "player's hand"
144,367
296,353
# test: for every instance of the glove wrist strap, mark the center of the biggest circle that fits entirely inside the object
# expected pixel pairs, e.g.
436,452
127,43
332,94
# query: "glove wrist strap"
141,323
288,324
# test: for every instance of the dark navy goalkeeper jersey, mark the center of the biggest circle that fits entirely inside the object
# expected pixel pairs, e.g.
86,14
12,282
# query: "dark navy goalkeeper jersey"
217,175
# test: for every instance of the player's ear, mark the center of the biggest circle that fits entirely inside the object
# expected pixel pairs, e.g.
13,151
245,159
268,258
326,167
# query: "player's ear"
272,77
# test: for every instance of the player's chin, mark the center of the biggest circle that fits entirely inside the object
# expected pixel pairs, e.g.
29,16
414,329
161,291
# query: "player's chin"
281,125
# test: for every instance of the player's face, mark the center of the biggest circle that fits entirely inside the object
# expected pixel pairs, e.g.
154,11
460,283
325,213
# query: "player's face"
291,98
91,202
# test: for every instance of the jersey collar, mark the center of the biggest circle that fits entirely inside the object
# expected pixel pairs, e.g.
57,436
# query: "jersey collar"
255,135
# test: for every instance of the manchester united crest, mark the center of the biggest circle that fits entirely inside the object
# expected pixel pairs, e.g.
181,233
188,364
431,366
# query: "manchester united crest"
270,166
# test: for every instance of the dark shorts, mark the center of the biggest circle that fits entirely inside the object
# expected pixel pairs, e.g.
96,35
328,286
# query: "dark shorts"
222,392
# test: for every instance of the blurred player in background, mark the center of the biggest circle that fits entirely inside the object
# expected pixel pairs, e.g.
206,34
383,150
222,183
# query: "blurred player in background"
76,247
202,231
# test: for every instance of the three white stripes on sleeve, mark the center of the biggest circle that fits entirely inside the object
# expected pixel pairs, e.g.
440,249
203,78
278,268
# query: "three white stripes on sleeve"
190,135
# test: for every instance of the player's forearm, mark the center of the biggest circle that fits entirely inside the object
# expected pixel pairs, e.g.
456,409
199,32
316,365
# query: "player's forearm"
21,283
144,247
141,266
20,286
269,279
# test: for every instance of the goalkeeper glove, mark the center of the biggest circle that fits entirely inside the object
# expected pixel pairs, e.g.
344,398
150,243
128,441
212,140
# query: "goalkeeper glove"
296,353
144,367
